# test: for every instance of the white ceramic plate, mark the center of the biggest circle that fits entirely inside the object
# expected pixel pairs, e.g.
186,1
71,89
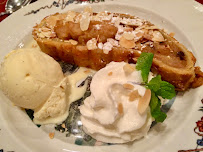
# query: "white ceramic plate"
185,18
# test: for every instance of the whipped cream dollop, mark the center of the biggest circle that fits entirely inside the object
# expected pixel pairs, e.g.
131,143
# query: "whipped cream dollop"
111,114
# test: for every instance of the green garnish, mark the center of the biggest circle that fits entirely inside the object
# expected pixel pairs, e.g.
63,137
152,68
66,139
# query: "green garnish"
144,64
161,88
156,85
166,90
155,106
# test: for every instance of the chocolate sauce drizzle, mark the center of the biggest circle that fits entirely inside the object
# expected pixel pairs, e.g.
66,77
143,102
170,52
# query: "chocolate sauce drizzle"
62,4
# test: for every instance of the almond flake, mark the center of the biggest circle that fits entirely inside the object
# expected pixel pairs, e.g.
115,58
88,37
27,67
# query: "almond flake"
152,27
70,16
63,125
88,10
95,18
172,34
112,41
144,102
110,73
135,59
128,69
51,135
73,42
107,47
128,86
40,35
157,36
139,34
132,22
128,36
34,45
78,18
120,108
51,21
116,21
134,95
128,29
49,34
87,71
45,29
85,21
128,44
92,44
100,45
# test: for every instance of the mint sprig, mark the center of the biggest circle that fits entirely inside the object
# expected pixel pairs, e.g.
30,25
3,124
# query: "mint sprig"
144,64
156,85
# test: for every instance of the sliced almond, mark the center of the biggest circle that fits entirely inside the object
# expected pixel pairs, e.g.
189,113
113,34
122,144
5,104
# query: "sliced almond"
131,22
45,29
128,86
40,35
51,135
117,22
128,69
172,34
107,47
110,73
70,16
102,14
120,108
85,21
92,44
152,27
135,59
78,18
128,36
88,9
34,45
63,125
51,21
61,16
95,18
112,41
134,95
100,45
128,29
87,71
144,102
128,44
49,34
73,42
139,34
157,36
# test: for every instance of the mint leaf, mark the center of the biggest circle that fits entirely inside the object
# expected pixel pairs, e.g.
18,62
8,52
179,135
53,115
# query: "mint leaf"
161,88
166,90
154,102
154,83
155,106
158,115
144,63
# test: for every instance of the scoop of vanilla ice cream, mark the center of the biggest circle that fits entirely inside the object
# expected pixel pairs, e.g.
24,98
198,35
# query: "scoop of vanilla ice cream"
109,115
28,77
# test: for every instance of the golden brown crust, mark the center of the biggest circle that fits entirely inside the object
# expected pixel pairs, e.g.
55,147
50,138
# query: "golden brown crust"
171,59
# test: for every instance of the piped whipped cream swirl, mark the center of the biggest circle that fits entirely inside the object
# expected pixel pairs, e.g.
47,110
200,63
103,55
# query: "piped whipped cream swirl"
110,114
